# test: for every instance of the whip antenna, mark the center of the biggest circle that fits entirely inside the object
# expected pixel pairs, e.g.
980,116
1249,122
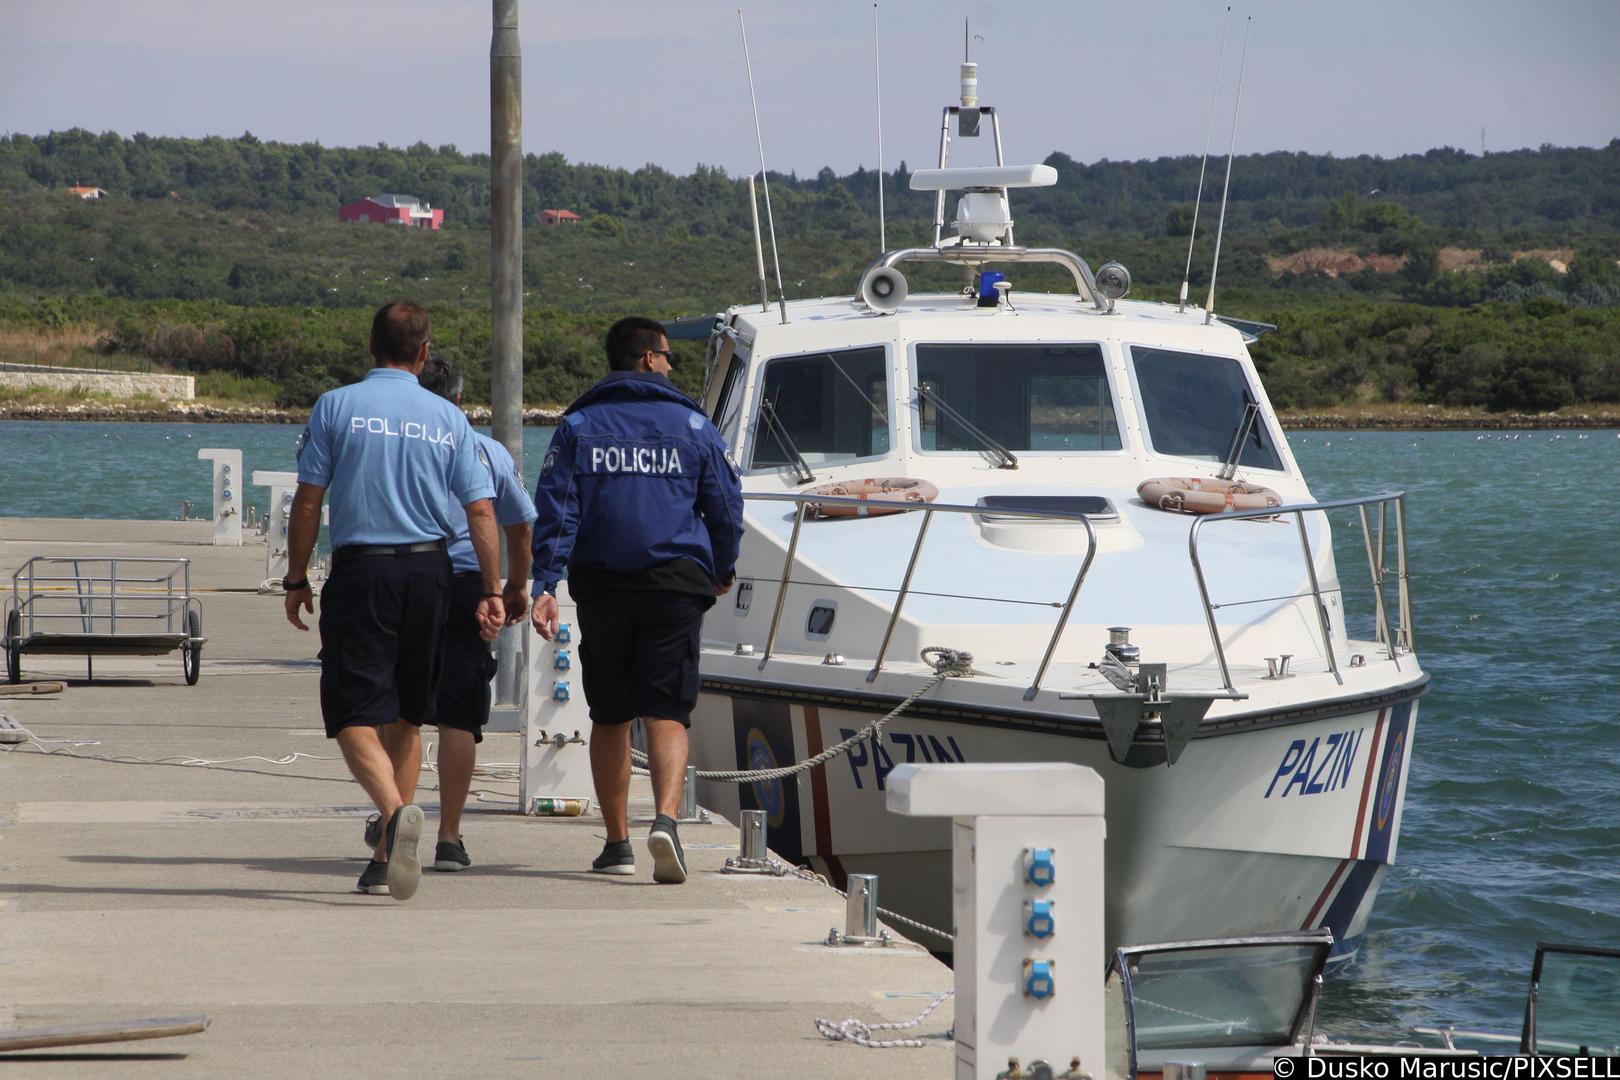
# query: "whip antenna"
759,250
770,218
877,83
1209,129
1209,306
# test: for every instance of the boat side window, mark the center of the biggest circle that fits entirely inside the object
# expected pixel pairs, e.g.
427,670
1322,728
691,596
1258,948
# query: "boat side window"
1194,404
830,406
1034,397
728,407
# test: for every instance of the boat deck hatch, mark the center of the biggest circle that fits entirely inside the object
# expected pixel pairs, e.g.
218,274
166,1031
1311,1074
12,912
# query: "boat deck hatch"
1089,505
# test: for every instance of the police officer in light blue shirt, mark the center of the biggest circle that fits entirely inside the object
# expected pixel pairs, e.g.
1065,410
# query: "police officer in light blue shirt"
464,692
394,457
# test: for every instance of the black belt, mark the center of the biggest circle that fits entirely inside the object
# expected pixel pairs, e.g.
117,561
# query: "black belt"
391,549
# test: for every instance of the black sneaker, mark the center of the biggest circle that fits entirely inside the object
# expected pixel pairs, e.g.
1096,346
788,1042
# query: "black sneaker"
404,871
450,856
616,858
374,880
669,862
374,831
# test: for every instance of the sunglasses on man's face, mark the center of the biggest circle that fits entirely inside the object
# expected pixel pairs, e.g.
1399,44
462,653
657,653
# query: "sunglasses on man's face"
668,356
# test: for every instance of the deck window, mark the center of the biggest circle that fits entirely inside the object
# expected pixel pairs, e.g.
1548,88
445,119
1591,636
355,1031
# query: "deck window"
728,406
831,406
1028,398
1194,406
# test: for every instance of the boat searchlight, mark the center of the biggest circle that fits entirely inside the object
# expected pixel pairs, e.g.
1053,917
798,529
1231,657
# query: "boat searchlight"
982,215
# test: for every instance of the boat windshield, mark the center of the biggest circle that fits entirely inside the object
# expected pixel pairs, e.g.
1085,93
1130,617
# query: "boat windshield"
1034,398
1248,995
1577,1000
826,406
1194,406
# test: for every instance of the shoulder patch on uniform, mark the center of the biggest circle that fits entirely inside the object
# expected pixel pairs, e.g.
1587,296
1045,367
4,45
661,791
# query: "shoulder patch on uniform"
483,456
303,441
551,459
695,421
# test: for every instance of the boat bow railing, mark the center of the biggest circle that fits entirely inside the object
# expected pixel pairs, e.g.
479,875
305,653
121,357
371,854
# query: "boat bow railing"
802,502
1396,640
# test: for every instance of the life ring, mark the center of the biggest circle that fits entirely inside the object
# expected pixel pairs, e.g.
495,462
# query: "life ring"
883,494
1205,495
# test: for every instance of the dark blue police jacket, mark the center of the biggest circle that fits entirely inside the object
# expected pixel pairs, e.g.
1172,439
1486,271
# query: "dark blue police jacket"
635,476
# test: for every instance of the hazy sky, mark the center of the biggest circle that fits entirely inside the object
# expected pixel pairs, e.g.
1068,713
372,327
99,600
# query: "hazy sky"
627,82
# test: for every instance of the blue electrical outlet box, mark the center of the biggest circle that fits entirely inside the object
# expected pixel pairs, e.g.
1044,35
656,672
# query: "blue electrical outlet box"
559,692
1038,867
1040,981
564,634
1038,921
561,662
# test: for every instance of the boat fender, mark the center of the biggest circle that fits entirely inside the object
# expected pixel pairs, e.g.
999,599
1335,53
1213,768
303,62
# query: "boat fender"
1205,495
883,494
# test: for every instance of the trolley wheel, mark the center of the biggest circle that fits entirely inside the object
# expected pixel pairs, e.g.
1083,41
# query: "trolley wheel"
191,651
14,647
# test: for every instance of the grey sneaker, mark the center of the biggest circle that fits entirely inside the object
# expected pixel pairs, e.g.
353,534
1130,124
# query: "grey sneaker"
374,831
374,879
669,861
616,858
450,856
404,871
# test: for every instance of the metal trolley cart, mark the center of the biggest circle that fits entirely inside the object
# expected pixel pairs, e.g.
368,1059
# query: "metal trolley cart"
103,607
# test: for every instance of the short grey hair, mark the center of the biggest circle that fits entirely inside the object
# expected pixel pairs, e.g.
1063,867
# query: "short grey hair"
439,375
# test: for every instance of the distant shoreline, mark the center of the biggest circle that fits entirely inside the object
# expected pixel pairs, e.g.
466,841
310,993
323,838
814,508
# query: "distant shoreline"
192,413
1391,418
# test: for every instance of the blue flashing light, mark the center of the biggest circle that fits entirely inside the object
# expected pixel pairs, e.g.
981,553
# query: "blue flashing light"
987,287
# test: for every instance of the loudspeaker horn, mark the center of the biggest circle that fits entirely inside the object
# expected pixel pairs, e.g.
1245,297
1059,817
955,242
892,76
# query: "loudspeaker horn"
884,289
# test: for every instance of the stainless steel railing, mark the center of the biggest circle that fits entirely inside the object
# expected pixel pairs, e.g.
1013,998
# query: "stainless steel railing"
1395,642
802,500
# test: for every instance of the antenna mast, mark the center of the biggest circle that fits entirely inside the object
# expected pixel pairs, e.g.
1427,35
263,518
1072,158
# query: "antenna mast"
877,83
770,218
1209,128
1209,305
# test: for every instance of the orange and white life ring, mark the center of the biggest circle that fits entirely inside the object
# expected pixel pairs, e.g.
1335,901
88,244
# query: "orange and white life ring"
1205,495
882,494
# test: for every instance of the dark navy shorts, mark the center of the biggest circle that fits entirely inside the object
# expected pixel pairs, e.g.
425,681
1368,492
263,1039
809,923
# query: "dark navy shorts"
468,661
638,655
381,621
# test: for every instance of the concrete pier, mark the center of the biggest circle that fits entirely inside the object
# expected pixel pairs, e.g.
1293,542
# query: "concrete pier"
130,889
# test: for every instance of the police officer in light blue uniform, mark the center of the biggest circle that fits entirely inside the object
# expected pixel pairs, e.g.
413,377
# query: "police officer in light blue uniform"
639,502
394,457
469,665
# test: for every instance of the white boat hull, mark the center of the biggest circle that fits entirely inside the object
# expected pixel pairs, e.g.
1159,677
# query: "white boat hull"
1272,826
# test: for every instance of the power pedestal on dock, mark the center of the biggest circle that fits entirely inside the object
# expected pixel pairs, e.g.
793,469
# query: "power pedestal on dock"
1027,898
228,497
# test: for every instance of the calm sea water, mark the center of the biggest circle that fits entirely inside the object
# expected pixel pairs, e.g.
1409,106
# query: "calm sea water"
1512,828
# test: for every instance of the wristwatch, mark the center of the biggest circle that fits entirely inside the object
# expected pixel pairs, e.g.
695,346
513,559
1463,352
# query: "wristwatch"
289,585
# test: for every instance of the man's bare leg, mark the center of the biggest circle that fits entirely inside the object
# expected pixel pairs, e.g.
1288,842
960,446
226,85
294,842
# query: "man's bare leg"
403,742
667,752
610,770
458,753
371,766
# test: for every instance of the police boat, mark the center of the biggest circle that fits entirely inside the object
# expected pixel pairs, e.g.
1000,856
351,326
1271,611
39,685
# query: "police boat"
1072,524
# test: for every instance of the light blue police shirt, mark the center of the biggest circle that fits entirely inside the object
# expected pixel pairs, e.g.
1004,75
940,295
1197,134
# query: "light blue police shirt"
392,457
512,503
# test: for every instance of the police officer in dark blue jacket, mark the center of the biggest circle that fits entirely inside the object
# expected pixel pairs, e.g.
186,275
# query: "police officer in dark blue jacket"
639,502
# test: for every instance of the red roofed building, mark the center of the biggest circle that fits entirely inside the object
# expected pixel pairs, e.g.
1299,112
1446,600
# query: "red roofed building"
559,217
393,210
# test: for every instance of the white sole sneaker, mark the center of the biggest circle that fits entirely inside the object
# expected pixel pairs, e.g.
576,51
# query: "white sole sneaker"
404,869
617,869
669,867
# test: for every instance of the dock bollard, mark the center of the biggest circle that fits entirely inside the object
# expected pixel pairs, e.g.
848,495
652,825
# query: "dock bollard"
860,914
754,858
691,813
